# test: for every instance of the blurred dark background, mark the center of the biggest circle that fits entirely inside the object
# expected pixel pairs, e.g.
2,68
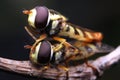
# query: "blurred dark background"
98,15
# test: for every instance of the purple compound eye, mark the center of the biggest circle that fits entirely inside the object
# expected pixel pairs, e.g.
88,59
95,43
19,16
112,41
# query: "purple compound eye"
45,53
41,19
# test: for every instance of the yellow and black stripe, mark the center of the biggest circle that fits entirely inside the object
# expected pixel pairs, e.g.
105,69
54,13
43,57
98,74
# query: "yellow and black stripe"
82,34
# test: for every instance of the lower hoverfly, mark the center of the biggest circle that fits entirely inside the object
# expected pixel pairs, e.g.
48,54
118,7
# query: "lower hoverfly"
50,23
46,52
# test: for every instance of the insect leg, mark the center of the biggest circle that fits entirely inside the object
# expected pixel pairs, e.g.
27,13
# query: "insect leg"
63,67
42,37
93,67
87,63
63,42
46,67
27,46
30,33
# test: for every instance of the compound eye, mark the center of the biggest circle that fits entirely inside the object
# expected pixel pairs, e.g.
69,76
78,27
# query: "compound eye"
45,53
41,19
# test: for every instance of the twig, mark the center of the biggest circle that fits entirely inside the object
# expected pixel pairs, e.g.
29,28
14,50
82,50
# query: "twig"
80,72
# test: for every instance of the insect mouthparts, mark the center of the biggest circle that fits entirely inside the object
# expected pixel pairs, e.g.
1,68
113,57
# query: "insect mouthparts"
26,12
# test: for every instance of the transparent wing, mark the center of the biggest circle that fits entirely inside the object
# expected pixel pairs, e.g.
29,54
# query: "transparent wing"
93,48
104,48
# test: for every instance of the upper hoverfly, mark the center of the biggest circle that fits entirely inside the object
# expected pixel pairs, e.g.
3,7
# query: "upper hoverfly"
50,25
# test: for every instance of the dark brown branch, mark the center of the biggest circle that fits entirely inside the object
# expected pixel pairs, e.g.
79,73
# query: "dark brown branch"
81,72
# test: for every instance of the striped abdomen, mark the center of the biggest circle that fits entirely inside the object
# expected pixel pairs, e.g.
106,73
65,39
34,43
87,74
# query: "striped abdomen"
79,33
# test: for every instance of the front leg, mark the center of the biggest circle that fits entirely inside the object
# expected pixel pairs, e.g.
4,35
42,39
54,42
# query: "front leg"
63,42
42,37
31,32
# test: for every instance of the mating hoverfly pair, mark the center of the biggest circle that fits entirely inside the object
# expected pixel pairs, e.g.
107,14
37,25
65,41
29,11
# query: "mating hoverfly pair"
57,41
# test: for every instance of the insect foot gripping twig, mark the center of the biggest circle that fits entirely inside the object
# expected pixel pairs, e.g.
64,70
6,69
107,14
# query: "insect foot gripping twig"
80,72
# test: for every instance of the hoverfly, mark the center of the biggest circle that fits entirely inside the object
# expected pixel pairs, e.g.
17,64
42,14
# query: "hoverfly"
50,23
45,54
